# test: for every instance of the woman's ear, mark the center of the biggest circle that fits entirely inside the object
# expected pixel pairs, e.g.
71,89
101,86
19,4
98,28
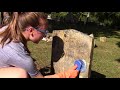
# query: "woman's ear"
30,32
29,29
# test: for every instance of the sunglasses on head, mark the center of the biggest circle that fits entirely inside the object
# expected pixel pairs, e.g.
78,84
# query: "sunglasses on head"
45,32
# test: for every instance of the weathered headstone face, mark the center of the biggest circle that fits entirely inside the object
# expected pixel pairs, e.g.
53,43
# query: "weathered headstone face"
69,45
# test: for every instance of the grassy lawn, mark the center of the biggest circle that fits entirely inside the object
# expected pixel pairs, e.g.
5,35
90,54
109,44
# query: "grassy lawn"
106,56
106,59
41,52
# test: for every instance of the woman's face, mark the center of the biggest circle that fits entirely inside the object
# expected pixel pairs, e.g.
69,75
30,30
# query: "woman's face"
39,32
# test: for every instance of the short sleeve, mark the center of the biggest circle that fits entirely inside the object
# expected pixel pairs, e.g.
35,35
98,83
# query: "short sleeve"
18,56
26,62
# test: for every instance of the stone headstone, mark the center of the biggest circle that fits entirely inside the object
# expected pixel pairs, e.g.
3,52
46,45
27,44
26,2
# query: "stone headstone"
103,39
69,45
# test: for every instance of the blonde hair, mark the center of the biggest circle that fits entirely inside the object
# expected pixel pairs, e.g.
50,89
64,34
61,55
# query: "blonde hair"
20,20
6,20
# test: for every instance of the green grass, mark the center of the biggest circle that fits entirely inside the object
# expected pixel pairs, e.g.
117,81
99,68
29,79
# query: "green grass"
41,52
106,58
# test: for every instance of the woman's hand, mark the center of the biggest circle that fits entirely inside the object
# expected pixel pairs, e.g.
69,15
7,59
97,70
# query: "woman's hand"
71,73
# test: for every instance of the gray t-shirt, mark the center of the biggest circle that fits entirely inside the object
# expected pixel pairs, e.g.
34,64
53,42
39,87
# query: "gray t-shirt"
15,54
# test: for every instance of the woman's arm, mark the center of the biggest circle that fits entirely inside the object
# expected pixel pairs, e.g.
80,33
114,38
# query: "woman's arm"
71,73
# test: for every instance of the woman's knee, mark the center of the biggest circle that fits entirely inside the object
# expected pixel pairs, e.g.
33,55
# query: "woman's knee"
21,73
13,72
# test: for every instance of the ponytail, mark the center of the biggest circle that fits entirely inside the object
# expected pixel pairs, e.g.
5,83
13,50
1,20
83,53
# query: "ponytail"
14,27
12,32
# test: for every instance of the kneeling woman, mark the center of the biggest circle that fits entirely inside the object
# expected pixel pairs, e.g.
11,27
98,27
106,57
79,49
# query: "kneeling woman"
14,55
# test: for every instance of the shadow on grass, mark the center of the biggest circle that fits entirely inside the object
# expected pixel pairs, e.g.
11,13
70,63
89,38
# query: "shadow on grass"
118,60
96,75
118,44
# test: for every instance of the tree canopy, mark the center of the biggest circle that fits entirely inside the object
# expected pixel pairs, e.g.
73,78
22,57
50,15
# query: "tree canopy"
104,18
